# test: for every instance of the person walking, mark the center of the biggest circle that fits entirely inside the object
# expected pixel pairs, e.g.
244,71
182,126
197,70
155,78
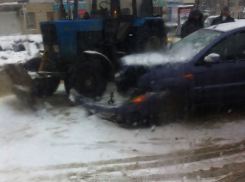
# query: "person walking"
224,17
193,23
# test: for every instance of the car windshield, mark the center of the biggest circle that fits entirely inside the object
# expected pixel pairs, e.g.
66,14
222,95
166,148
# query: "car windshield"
188,47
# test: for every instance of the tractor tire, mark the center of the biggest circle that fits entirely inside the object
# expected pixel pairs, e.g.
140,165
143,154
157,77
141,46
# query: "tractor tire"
41,87
88,80
148,41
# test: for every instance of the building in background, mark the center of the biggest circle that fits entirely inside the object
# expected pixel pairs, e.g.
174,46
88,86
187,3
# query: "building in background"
214,7
237,8
9,17
24,16
31,14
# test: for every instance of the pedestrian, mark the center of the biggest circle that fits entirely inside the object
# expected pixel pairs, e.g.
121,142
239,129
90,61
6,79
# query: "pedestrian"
224,17
193,23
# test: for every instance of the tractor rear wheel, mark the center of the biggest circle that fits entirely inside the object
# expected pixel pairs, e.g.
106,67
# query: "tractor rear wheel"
88,80
41,87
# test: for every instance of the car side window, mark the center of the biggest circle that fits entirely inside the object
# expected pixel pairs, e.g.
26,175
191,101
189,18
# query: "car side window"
230,49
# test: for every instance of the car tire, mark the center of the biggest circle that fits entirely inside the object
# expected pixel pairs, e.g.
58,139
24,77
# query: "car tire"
41,87
174,107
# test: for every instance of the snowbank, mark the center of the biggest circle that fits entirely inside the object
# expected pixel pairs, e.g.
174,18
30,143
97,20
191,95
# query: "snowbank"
19,48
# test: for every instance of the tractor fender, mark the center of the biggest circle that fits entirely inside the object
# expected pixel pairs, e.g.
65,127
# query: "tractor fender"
103,60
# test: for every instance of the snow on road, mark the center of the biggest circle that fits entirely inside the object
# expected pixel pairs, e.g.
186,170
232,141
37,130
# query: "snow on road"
59,142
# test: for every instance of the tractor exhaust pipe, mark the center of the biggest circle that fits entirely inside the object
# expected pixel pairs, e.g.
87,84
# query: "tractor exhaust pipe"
75,16
61,11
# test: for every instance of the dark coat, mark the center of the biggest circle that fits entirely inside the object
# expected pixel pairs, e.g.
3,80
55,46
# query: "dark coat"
219,20
192,25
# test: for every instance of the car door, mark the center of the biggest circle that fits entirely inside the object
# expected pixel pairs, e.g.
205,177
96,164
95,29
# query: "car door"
222,81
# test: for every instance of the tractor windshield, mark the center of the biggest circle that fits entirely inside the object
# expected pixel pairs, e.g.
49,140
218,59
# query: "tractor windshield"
144,8
126,7
101,9
103,4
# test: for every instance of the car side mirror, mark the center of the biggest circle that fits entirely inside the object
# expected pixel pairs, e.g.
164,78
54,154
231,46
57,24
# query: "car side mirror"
212,58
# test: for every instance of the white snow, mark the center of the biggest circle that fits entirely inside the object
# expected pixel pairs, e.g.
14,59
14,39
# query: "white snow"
148,59
13,57
225,27
10,3
59,140
9,56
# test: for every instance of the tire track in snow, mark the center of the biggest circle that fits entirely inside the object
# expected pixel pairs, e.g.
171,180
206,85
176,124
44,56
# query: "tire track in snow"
137,163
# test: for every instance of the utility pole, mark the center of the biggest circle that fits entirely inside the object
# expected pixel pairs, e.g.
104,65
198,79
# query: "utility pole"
61,11
69,9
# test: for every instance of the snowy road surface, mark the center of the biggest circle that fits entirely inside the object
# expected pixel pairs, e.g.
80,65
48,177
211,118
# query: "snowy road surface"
59,142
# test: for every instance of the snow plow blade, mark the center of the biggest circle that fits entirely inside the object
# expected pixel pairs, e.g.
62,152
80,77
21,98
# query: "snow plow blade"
21,83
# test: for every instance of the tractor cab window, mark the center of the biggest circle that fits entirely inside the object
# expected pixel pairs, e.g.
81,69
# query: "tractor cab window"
144,8
126,7
103,4
100,9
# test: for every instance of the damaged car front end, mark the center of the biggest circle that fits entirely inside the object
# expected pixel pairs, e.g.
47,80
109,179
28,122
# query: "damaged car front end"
140,110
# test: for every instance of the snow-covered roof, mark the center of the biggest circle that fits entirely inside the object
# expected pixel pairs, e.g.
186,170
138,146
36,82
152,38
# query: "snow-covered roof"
225,27
9,3
213,16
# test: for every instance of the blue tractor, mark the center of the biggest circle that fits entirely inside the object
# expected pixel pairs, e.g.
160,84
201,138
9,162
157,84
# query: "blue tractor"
84,51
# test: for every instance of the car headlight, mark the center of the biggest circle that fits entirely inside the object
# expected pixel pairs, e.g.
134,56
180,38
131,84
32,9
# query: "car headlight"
46,47
56,48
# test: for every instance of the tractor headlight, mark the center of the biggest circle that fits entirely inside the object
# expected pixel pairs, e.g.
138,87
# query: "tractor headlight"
56,48
46,47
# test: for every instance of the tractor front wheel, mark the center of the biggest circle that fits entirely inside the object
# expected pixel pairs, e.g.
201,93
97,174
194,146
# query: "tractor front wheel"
88,80
41,87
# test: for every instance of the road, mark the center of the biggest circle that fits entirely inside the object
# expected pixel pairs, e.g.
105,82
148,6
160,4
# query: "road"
60,142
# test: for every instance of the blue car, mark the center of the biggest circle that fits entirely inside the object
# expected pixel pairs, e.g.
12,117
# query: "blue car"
206,67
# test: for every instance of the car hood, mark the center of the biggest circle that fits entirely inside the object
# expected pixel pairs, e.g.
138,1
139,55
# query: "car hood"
166,76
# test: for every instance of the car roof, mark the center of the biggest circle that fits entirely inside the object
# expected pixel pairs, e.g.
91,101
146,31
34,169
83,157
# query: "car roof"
225,27
213,16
